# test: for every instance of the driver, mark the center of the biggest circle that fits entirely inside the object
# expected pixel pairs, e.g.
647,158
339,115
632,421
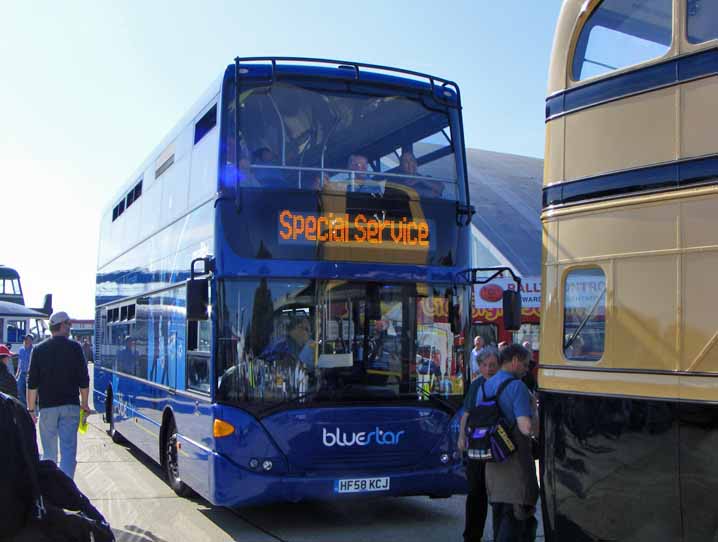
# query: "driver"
297,344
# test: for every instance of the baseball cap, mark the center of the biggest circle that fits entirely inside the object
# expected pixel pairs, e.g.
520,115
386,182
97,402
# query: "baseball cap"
58,318
5,351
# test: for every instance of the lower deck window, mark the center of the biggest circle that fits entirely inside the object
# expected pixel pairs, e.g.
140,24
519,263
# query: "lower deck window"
584,316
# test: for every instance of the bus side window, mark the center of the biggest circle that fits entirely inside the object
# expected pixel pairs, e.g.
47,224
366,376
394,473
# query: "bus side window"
701,21
584,316
619,34
198,349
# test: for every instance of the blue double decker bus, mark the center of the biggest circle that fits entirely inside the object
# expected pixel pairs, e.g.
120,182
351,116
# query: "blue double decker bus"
280,314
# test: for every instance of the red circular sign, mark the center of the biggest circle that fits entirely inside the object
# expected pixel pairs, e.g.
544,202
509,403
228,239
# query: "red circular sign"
491,293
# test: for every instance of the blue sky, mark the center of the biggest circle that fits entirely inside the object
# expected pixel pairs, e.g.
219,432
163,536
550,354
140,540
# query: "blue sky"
89,88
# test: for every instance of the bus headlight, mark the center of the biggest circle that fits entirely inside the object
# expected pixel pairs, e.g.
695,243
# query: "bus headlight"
253,463
267,465
444,458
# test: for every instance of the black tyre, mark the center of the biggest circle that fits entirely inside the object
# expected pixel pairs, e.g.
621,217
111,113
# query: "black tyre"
171,463
109,416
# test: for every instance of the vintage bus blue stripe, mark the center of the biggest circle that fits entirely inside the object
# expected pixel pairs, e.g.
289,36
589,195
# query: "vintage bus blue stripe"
670,176
665,74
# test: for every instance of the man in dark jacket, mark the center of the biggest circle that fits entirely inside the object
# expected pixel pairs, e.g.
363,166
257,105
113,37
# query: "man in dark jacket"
7,381
58,371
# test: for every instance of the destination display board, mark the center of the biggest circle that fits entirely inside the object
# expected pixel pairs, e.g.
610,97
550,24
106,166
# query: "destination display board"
357,230
344,227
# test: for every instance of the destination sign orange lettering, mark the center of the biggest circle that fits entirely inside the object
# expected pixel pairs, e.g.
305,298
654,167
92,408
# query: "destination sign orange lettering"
357,230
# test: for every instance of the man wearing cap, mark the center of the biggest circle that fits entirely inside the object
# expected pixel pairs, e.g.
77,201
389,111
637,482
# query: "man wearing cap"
58,370
7,382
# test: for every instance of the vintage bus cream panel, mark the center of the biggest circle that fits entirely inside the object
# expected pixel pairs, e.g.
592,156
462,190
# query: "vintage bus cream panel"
623,134
621,96
659,259
699,118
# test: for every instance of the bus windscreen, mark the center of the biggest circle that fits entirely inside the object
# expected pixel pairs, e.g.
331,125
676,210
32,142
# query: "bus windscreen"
299,343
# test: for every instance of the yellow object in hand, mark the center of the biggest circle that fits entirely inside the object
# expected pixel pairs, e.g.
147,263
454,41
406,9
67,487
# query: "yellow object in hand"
82,426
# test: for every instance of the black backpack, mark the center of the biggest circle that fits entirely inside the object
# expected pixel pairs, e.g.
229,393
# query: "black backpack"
39,502
488,434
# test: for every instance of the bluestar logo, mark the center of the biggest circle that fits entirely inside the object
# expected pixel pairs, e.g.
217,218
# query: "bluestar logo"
382,438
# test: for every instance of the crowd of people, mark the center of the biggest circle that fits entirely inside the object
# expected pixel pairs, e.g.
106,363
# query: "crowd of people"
51,378
510,486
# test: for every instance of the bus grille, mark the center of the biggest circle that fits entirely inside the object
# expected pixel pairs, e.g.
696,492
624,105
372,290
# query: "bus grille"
359,461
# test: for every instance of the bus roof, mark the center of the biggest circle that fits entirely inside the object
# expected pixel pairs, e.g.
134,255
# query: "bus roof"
273,68
8,273
8,308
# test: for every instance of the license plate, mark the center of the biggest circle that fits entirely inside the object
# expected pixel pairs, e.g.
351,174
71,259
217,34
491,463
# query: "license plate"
361,485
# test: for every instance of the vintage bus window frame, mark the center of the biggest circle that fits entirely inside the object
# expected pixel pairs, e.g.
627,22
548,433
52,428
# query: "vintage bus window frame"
577,35
566,274
686,7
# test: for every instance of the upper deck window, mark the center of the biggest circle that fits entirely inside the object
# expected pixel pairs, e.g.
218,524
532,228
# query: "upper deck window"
701,21
620,33
205,124
316,139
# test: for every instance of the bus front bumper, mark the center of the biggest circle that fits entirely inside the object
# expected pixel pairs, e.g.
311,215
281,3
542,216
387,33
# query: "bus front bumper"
235,486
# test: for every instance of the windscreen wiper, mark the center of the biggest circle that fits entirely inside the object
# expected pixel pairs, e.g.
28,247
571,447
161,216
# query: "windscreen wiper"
436,399
282,404
583,323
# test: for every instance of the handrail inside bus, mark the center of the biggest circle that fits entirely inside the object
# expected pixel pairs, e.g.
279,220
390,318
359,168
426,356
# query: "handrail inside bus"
432,79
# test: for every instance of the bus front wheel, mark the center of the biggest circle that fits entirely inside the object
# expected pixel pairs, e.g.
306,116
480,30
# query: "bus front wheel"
109,415
172,465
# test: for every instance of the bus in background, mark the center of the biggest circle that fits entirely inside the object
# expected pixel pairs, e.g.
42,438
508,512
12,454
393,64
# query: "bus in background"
629,368
278,314
17,320
487,313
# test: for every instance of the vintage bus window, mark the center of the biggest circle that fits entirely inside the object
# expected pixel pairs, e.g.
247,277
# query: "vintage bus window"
620,34
313,139
584,321
701,21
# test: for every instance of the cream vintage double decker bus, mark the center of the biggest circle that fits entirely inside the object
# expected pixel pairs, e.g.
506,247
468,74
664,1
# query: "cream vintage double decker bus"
629,337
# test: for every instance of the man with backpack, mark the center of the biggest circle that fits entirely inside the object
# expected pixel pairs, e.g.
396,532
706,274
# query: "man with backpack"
511,477
39,502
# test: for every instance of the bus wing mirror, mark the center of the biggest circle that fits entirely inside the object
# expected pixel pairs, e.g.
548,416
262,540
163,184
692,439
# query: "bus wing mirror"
512,310
198,299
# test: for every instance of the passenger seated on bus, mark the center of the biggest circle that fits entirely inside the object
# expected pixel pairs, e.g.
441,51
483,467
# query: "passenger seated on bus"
409,166
360,180
128,357
359,164
297,345
267,177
